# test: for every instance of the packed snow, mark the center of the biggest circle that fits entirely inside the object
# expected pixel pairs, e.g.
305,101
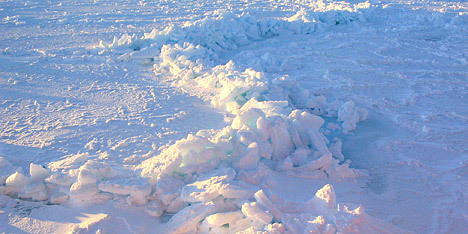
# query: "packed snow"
234,117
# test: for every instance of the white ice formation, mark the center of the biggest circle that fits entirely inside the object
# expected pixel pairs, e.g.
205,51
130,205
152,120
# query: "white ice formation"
216,181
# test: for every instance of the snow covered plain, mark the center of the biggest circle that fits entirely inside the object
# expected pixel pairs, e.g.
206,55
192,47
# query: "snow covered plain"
184,116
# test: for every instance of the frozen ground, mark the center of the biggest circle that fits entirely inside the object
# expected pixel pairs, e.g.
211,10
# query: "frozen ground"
110,119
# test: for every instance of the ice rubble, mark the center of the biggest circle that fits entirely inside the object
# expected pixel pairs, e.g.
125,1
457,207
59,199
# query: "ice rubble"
217,181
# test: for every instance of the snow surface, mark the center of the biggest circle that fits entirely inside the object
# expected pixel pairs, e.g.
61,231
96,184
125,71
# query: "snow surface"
235,116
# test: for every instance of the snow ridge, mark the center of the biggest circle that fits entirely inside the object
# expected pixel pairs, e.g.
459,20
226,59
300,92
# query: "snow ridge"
225,31
271,129
216,181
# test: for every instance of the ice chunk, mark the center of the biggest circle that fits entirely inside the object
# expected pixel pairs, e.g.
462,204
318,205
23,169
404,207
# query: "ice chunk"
168,188
37,172
307,223
264,201
85,188
285,164
275,228
324,197
225,204
299,157
17,180
237,189
83,191
220,219
248,161
311,121
188,218
240,226
86,177
263,127
253,212
335,149
305,130
350,220
248,117
137,189
318,140
265,150
99,169
176,205
60,179
36,192
323,162
280,140
254,177
165,163
208,187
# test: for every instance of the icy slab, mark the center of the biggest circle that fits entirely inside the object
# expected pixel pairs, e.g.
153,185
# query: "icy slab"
256,214
237,189
264,201
187,219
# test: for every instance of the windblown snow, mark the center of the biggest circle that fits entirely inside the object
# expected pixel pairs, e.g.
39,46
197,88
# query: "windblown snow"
234,117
